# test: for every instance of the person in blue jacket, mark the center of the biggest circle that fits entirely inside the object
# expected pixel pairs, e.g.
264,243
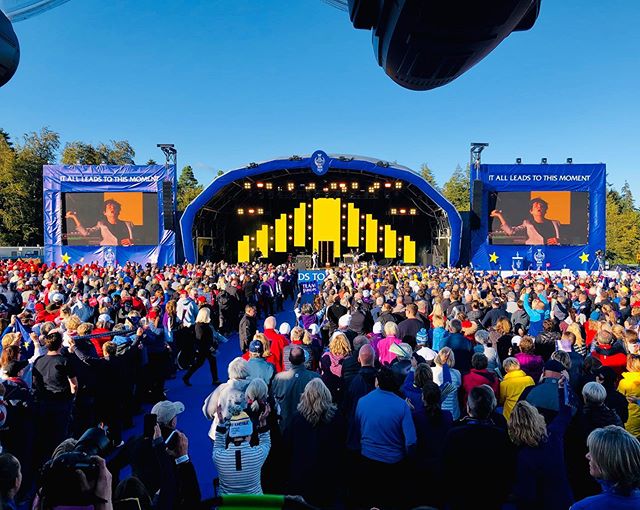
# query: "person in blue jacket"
614,461
537,311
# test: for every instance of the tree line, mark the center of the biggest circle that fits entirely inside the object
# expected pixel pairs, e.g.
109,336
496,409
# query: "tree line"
21,207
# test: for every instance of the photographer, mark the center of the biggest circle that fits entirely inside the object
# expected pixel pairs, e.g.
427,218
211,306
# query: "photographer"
54,384
77,475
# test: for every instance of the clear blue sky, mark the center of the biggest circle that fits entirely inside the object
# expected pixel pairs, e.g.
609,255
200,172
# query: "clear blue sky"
231,82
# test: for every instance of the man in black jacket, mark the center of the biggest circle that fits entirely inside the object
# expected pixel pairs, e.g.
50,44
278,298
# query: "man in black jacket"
362,383
478,434
335,311
248,327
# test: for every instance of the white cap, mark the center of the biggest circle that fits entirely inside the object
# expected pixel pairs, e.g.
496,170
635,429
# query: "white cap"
166,411
516,340
377,328
105,317
314,329
284,328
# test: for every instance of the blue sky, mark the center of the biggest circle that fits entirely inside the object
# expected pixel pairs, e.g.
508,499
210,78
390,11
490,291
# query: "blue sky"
231,82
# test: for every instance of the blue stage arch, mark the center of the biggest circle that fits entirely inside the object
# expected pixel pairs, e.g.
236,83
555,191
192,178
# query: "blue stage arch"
319,162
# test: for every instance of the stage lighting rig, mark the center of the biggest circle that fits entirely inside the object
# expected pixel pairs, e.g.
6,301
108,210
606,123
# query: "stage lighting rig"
383,164
569,161
518,161
247,185
252,165
543,161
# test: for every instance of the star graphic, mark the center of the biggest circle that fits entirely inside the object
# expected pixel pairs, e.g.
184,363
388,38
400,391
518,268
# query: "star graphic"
584,257
493,258
66,258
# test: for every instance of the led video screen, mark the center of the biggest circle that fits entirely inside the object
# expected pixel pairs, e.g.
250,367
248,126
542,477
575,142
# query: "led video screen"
559,218
110,219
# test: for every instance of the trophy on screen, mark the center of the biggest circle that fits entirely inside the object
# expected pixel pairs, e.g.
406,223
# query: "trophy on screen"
517,262
539,257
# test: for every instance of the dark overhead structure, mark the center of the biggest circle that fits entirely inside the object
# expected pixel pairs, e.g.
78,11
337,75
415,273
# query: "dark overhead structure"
425,44
9,50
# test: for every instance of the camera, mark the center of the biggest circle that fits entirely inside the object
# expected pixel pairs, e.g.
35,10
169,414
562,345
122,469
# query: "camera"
60,483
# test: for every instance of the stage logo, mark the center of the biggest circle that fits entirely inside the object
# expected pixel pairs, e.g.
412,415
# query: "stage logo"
320,162
539,257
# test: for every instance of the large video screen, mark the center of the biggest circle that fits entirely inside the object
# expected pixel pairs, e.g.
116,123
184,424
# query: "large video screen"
109,219
539,217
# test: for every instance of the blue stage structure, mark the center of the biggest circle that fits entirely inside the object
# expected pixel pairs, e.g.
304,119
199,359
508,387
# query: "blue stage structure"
538,217
109,215
310,178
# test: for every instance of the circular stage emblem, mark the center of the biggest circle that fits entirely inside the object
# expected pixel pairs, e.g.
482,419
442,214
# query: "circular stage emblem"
319,162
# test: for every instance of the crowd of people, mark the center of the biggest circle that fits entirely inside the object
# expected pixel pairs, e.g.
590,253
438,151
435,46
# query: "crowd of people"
393,387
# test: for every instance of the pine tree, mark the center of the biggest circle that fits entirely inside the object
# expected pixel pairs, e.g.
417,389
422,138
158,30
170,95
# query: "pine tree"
456,189
188,187
427,175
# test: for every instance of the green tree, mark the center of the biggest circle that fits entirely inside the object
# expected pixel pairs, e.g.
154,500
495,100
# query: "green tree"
5,136
152,162
623,230
427,175
188,187
21,209
456,189
219,173
626,198
116,152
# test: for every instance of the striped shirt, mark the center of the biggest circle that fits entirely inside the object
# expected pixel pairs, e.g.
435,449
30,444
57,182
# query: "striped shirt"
239,466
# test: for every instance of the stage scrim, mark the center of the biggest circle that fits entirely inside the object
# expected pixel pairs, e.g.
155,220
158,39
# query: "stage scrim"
109,214
548,217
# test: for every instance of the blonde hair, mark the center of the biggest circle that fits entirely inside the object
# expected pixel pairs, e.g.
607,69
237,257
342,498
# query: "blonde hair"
445,356
204,315
339,345
73,322
266,348
575,329
510,364
526,425
562,357
438,321
256,391
390,329
633,363
616,453
85,328
503,326
315,403
10,339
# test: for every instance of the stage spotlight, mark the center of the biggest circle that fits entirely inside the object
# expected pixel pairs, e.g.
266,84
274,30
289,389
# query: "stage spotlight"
309,227
387,184
291,186
518,161
398,185
413,212
371,189
334,185
290,238
344,216
290,216
247,185
326,190
354,185
309,216
269,185
362,238
344,238
240,211
403,211
343,184
399,238
251,211
381,238
569,161
311,186
362,216
543,161
376,185
259,184
271,238
380,227
290,227
394,212
260,210
253,238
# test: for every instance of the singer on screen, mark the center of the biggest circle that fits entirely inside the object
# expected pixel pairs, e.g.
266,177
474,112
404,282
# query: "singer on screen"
113,231
539,230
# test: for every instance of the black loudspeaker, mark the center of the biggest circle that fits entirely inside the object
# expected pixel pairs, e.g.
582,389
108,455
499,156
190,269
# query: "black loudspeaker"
167,205
476,204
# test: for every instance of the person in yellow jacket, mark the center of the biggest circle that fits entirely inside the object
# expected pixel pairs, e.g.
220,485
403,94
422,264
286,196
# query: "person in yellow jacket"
512,386
629,386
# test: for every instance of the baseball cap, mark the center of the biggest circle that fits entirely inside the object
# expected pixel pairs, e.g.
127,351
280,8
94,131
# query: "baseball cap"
256,346
105,317
166,410
284,328
377,328
554,366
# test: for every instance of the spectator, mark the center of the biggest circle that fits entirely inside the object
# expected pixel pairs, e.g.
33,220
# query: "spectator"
609,351
287,387
460,346
541,474
479,435
277,342
257,366
313,442
384,345
629,386
248,327
478,376
614,400
449,380
414,384
614,460
362,383
207,343
531,364
552,392
383,433
514,383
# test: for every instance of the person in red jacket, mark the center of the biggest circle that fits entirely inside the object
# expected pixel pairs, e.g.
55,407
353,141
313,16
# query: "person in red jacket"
277,342
610,352
479,375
